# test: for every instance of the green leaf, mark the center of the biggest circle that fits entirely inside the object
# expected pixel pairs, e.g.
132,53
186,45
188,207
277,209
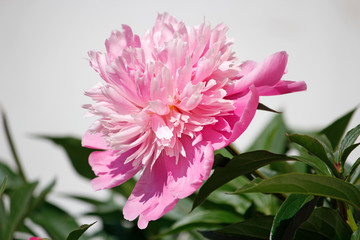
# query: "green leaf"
2,186
114,225
23,228
220,161
310,184
87,200
4,219
296,209
347,152
266,108
272,138
55,221
318,165
12,146
76,153
76,234
3,214
125,188
20,202
352,169
315,147
254,228
239,165
202,219
328,223
41,197
336,130
14,181
356,234
223,152
348,141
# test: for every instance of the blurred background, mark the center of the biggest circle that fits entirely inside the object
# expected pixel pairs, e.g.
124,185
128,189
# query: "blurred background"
44,71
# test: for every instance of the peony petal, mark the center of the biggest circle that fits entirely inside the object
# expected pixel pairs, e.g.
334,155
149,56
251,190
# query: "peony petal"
204,69
151,197
282,87
186,176
267,73
245,108
95,141
244,113
161,130
110,169
218,139
184,74
157,106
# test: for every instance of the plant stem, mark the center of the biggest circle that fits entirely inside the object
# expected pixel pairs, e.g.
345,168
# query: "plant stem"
232,150
351,220
342,210
12,147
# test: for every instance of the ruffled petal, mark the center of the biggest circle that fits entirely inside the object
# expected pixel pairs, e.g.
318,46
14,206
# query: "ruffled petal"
151,197
110,169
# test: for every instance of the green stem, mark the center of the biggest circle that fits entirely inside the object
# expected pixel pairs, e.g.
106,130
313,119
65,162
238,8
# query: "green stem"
12,147
342,210
232,150
351,220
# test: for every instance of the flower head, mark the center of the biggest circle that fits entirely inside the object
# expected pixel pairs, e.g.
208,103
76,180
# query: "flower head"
168,101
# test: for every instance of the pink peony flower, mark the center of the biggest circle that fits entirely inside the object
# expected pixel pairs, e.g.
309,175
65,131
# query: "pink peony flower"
169,100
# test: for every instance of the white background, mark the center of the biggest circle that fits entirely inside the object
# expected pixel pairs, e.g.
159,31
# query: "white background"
44,71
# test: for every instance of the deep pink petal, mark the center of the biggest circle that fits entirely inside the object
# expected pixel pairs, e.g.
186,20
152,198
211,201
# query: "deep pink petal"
244,112
151,197
110,168
186,176
267,73
218,139
282,87
95,141
245,108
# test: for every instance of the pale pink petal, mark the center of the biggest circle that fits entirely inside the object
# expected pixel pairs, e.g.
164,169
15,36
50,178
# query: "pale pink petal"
118,41
95,141
157,106
151,197
191,96
161,130
247,67
204,69
110,168
176,55
184,74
